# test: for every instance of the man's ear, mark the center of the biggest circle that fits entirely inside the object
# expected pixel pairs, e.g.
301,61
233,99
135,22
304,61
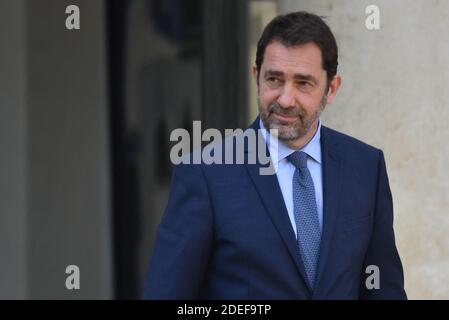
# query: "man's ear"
333,88
255,75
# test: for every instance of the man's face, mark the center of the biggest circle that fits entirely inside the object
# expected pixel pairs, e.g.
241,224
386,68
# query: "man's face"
292,89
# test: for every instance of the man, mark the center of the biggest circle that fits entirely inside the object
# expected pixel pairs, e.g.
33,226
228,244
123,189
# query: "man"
310,231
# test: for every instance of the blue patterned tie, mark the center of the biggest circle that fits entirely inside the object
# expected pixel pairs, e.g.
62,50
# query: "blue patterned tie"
306,215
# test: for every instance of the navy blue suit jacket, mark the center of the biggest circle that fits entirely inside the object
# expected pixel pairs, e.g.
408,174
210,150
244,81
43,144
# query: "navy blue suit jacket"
226,233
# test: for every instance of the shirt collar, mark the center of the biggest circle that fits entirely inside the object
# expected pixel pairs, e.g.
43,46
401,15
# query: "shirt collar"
279,151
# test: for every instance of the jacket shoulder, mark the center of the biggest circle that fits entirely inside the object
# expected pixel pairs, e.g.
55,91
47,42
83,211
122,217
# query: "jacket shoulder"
347,142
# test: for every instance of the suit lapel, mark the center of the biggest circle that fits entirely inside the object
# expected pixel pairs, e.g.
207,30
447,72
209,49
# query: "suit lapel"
331,186
269,191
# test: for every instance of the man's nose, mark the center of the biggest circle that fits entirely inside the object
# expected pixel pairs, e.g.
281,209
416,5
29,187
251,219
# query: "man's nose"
287,97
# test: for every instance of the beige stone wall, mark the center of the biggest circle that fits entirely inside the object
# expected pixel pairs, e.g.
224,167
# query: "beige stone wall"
393,96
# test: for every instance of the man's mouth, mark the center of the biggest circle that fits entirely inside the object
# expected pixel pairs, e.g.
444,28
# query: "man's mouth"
285,117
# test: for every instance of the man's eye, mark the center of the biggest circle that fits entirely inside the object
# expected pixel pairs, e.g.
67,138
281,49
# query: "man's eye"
273,81
305,84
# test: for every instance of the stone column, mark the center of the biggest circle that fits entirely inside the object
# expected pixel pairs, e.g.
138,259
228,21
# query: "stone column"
54,172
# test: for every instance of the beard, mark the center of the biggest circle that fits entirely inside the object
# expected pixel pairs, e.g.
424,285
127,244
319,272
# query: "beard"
290,130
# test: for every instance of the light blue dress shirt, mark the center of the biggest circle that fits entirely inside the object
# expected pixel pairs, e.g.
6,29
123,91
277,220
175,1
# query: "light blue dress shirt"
285,170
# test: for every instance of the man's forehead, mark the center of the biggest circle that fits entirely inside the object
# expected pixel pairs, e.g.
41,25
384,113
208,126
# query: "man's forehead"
300,58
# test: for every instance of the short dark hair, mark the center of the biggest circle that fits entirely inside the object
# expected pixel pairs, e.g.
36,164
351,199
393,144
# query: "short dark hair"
298,28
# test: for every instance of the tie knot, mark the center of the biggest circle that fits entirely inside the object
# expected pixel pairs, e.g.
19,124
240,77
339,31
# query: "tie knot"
298,159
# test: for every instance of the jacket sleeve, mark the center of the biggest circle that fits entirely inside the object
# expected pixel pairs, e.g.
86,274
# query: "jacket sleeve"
184,240
382,251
